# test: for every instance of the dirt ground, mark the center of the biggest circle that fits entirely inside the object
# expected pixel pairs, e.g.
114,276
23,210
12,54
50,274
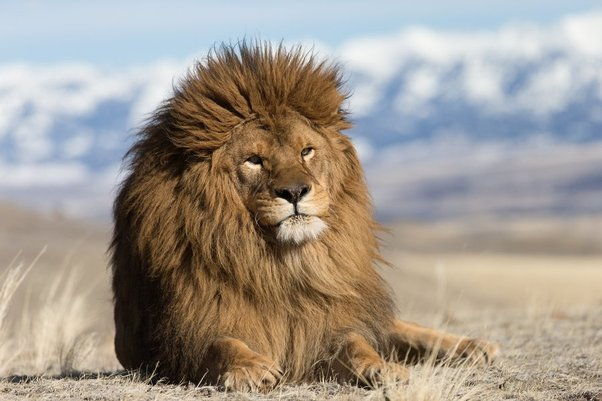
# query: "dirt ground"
534,287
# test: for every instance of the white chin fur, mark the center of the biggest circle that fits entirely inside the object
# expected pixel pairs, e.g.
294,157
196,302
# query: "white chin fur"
298,229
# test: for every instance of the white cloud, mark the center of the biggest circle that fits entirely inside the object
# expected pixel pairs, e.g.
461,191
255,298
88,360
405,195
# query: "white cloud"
42,175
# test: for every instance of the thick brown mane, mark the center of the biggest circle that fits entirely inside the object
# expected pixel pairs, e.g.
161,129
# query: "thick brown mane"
238,83
199,289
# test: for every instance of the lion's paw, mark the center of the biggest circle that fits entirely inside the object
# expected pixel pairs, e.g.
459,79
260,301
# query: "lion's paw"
253,374
381,373
475,350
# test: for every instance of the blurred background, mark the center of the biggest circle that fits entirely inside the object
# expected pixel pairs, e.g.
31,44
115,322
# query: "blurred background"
479,125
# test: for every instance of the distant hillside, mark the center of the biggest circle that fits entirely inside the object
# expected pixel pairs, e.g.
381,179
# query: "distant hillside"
25,233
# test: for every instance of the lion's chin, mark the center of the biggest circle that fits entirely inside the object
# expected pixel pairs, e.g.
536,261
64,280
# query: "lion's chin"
298,229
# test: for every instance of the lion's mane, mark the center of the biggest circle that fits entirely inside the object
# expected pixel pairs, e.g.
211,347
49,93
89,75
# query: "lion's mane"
188,260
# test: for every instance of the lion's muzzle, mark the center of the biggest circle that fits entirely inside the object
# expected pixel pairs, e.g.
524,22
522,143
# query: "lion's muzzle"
299,228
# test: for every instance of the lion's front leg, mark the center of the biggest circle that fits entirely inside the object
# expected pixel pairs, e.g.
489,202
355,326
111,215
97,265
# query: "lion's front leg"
358,361
411,341
241,369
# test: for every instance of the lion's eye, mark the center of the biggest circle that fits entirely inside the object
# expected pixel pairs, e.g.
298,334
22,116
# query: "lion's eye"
255,160
307,152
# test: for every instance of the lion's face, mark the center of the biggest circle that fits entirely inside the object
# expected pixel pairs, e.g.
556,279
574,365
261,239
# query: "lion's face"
282,175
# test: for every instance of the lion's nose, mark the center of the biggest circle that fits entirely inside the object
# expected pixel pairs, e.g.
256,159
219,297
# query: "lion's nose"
292,193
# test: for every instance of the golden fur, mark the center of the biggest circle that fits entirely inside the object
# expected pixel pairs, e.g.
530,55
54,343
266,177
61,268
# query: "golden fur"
218,276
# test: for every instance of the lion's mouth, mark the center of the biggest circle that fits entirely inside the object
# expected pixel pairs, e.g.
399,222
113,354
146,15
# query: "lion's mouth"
297,218
299,228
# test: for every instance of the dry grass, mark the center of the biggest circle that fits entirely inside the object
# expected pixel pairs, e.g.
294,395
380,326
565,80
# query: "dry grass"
545,311
54,332
51,350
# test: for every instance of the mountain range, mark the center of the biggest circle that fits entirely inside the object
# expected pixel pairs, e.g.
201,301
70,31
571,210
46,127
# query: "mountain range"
447,124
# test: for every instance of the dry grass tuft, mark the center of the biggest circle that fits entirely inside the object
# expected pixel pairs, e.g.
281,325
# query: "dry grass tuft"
53,334
10,281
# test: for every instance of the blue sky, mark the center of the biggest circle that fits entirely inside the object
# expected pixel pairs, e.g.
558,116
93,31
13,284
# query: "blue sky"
114,33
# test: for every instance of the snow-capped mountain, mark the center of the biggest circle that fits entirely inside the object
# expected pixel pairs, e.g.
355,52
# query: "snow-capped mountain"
446,122
507,84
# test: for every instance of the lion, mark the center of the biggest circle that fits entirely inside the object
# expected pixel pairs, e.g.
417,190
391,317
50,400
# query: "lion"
244,251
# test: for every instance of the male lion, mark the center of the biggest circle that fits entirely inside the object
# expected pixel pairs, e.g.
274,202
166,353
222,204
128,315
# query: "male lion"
244,246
